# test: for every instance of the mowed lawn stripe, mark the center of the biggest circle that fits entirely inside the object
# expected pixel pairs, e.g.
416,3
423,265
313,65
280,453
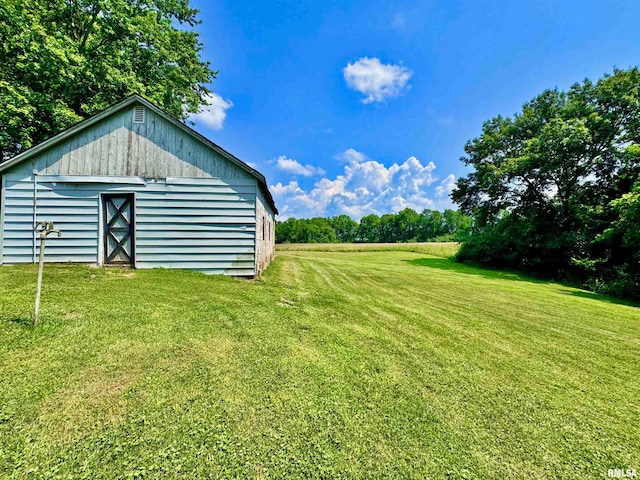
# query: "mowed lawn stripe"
526,338
532,328
333,364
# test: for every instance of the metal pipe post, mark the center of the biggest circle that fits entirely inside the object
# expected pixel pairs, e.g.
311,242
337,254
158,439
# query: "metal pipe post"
45,228
43,239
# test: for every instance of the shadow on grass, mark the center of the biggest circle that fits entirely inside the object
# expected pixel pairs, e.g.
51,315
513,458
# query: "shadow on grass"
451,265
601,298
22,321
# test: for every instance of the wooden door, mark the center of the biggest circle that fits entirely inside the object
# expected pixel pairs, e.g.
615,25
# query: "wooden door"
119,245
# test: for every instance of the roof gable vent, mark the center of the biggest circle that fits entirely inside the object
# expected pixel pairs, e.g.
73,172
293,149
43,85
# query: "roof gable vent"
138,114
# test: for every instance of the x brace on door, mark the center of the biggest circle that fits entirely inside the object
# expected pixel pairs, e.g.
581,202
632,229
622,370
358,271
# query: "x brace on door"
118,229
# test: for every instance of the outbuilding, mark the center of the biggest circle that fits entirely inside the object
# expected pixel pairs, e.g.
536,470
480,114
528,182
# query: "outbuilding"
133,186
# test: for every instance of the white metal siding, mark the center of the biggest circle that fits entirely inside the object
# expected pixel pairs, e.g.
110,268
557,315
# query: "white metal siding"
73,211
204,224
3,180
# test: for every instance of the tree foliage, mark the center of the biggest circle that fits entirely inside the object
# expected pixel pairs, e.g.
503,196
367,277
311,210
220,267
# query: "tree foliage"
550,189
64,60
404,226
313,230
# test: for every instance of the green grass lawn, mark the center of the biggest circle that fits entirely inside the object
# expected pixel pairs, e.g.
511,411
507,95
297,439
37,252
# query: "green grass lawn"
378,364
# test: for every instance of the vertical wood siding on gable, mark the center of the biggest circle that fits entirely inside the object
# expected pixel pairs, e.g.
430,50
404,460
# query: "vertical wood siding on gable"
118,147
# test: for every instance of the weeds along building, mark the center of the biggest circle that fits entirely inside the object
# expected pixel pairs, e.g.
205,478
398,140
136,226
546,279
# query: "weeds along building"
133,186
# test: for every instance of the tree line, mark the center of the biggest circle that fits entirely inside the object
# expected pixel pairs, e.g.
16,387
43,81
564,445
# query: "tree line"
555,190
404,226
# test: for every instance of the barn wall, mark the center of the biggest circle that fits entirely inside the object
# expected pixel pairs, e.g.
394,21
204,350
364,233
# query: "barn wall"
204,224
265,234
117,146
2,188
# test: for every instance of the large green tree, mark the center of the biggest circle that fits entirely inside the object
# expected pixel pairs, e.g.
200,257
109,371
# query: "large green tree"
546,183
64,60
369,229
345,227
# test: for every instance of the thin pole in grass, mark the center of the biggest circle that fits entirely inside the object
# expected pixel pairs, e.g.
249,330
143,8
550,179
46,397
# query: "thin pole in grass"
44,228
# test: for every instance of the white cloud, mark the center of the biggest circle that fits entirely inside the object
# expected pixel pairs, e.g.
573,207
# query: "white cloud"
351,155
375,80
446,186
296,168
365,186
215,112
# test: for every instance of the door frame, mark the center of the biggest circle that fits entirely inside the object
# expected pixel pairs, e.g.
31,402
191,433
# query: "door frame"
103,240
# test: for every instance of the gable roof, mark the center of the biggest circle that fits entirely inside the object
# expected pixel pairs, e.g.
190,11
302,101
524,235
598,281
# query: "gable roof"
127,102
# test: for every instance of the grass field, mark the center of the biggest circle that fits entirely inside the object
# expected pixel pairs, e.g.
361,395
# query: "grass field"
438,249
379,364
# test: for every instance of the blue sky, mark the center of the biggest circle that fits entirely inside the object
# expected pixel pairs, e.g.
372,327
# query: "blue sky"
364,107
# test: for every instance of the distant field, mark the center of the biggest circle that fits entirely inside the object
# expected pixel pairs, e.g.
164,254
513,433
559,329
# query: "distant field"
385,364
439,249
